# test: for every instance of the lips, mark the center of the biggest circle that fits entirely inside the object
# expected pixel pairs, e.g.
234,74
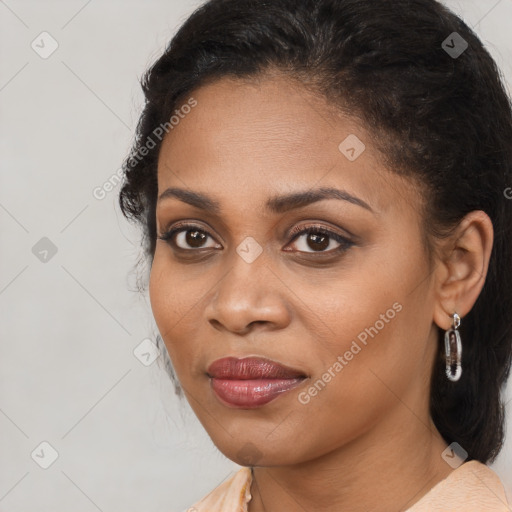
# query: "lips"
251,368
251,382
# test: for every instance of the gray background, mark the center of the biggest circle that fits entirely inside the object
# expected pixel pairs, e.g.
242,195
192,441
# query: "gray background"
70,324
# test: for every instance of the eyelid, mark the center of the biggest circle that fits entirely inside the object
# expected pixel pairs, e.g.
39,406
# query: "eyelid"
168,233
316,226
344,241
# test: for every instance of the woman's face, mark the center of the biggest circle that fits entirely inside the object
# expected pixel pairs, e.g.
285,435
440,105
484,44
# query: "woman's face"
350,310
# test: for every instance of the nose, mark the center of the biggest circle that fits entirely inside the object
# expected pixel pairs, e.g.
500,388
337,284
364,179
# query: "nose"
249,296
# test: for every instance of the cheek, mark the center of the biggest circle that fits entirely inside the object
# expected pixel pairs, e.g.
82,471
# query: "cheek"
359,379
170,292
160,294
370,347
172,304
378,331
178,295
378,360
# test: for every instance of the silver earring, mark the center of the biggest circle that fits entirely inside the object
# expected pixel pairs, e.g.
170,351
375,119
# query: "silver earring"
453,349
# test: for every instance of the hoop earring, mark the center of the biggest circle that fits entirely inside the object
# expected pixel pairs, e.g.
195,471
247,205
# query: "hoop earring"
453,350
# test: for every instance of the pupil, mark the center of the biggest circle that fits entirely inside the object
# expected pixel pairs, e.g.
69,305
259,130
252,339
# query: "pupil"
195,238
320,242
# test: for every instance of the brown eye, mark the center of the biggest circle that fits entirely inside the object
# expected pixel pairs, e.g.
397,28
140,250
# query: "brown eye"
194,238
188,237
319,239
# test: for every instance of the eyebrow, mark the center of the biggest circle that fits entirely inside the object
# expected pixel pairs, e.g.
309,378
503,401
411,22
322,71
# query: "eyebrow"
278,204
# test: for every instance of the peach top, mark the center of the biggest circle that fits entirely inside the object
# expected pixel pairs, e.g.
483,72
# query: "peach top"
472,487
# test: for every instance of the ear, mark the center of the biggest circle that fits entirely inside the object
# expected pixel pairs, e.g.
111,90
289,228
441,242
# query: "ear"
461,271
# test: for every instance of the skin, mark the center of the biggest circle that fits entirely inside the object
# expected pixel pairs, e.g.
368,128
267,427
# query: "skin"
366,441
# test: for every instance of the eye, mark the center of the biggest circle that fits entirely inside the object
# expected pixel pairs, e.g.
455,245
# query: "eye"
187,237
311,239
319,239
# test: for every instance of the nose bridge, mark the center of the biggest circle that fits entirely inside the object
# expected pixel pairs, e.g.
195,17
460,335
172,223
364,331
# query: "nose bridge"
247,280
247,293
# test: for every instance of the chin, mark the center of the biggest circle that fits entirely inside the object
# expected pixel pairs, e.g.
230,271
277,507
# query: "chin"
257,453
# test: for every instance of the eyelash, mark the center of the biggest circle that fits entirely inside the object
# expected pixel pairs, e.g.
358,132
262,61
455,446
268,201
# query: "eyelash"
344,242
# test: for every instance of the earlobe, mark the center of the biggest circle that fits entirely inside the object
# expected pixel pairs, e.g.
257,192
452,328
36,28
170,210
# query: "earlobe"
461,273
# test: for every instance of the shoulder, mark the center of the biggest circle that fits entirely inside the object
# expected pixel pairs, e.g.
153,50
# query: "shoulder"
471,487
232,495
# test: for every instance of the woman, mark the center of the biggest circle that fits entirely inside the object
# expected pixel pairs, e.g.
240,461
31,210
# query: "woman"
322,187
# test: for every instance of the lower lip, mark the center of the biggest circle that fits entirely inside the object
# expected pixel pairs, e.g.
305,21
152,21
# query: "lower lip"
250,394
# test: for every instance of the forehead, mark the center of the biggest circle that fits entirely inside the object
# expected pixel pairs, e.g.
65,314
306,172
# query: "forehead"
271,135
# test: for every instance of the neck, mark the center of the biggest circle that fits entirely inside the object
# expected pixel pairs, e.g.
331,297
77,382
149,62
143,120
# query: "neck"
385,469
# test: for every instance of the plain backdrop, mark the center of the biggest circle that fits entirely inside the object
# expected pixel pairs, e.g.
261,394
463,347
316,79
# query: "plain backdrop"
74,375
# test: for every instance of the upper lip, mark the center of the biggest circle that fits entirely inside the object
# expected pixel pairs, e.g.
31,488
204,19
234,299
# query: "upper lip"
251,368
